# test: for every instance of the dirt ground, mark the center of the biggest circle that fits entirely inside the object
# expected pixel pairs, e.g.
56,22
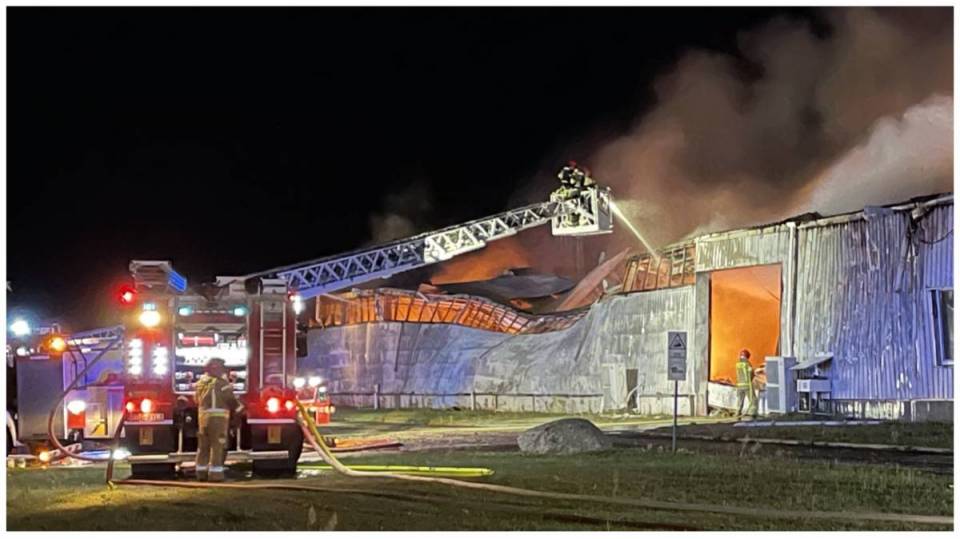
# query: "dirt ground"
640,467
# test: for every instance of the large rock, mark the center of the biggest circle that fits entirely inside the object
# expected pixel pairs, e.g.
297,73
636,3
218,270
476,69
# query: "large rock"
563,437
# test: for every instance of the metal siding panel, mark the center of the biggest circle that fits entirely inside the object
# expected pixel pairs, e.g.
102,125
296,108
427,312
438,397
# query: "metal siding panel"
752,247
633,329
862,298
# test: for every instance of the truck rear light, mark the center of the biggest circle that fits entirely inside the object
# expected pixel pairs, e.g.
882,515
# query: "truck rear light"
289,405
273,405
76,418
131,407
146,406
76,406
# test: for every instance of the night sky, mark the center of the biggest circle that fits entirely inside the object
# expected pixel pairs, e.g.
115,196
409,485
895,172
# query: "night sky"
231,140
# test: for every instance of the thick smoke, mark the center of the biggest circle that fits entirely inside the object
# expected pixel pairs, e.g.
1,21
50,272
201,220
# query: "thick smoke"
403,214
904,157
801,118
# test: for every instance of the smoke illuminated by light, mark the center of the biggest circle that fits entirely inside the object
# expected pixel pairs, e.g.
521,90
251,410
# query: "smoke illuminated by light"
797,135
622,217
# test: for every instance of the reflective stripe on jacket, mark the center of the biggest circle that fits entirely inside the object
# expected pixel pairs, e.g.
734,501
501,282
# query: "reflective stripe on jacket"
214,396
744,375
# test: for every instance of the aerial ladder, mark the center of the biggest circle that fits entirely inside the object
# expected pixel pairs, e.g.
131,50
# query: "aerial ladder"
581,210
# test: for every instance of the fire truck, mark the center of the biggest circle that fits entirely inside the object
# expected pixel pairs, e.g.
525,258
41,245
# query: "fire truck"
172,331
46,365
250,321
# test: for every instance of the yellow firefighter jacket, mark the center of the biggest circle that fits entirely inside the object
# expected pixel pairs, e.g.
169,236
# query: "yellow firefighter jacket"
215,396
744,375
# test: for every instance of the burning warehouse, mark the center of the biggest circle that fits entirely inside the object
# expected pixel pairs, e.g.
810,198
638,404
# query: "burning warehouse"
859,307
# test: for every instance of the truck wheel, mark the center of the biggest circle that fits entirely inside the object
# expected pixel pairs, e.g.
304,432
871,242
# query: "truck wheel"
153,470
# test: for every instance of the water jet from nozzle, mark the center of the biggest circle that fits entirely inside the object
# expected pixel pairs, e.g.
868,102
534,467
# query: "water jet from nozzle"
633,229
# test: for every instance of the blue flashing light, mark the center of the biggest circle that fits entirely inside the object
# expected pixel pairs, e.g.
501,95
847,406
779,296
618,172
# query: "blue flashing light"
240,310
185,310
149,306
176,281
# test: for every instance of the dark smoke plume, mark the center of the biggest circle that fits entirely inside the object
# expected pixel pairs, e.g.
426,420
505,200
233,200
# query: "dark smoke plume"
798,120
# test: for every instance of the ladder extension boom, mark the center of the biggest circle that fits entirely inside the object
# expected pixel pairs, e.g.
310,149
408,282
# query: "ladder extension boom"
320,276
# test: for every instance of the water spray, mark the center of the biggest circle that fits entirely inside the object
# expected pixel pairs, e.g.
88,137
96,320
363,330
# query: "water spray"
646,244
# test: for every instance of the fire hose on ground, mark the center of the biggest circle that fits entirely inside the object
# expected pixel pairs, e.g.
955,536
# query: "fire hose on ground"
316,441
309,428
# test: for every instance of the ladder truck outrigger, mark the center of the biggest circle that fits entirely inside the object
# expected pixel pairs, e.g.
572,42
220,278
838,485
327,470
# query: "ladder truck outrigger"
251,322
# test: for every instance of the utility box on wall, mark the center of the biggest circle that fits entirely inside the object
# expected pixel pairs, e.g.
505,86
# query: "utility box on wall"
781,385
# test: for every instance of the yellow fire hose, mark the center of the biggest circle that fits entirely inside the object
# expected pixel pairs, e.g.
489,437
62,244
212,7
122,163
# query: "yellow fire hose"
441,471
324,451
310,432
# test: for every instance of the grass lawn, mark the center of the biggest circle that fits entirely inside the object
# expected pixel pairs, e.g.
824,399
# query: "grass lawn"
76,499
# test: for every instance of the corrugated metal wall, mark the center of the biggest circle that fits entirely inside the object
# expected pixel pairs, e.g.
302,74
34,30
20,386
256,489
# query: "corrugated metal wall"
754,247
591,357
862,296
631,333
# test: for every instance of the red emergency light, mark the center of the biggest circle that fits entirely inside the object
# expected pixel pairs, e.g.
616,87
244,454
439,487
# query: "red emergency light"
127,295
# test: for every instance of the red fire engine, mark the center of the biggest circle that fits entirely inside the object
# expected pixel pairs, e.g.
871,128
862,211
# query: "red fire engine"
172,332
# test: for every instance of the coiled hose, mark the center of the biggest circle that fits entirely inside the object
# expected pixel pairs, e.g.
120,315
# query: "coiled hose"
56,408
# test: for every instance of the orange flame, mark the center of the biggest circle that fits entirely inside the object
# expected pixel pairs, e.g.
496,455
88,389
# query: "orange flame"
487,263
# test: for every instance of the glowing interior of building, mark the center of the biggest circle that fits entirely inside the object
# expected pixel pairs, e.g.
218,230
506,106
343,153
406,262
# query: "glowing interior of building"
744,313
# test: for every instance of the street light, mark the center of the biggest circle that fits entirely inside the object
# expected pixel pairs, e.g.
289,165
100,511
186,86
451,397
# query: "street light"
20,327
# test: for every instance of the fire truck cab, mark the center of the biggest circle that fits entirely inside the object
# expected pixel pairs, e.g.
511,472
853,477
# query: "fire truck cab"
172,331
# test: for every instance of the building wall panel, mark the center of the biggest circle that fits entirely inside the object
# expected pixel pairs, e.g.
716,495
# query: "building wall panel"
862,296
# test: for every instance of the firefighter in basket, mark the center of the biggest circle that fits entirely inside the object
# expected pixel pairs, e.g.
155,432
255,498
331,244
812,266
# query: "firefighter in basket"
573,182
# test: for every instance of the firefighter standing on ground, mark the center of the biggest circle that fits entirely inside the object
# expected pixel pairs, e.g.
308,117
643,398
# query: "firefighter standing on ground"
745,389
215,400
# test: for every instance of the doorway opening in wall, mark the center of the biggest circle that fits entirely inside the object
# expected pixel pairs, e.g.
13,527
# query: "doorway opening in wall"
744,313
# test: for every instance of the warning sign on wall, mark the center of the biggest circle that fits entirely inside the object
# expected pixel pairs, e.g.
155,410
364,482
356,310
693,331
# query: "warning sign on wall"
676,355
